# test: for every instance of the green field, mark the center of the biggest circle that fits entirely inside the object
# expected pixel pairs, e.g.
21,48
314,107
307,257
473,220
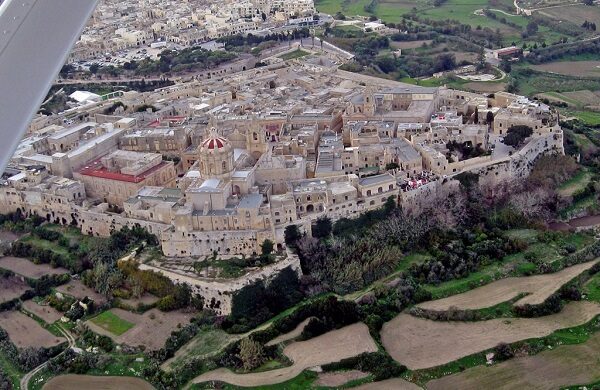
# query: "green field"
588,117
298,53
112,323
576,183
207,342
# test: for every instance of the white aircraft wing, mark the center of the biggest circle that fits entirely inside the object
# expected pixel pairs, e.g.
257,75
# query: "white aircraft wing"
36,37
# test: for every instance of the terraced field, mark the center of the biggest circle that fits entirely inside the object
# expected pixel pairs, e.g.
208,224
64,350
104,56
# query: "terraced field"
539,287
330,347
564,366
419,343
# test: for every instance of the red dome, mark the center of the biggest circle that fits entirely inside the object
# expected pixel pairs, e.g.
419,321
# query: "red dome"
214,143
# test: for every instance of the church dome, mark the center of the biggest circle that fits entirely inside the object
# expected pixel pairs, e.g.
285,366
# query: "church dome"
215,142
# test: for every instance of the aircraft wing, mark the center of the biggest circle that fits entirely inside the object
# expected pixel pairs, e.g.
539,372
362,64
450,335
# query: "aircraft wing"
36,37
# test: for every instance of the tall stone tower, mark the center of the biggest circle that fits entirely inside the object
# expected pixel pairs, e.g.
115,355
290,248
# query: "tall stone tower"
369,108
256,139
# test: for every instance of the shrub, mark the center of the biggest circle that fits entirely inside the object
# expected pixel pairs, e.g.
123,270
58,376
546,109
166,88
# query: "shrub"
380,364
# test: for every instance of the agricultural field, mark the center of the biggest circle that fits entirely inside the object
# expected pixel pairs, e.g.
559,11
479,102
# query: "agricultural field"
419,343
45,312
29,269
551,369
389,384
571,68
539,288
112,323
78,290
531,82
334,379
96,383
330,347
11,287
576,14
409,44
25,332
150,329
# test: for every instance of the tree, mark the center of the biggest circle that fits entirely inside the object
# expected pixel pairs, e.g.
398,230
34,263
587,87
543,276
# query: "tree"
588,2
94,68
476,116
339,16
390,166
267,247
322,227
264,16
517,134
489,117
252,354
532,28
292,234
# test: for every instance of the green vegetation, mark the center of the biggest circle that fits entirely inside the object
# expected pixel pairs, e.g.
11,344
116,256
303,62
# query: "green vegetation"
531,82
590,118
576,183
10,369
298,53
112,323
209,341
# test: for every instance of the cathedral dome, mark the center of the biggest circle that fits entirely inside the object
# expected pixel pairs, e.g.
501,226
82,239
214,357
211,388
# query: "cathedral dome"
215,142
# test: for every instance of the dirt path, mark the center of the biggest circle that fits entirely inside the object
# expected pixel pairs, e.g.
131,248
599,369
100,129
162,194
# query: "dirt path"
290,335
419,343
331,347
539,287
564,366
24,384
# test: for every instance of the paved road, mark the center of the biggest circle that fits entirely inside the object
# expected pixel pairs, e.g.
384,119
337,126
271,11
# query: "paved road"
25,380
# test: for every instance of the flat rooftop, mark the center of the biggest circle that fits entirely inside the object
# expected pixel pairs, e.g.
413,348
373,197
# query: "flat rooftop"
96,169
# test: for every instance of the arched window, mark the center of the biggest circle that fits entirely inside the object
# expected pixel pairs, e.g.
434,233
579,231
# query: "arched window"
224,165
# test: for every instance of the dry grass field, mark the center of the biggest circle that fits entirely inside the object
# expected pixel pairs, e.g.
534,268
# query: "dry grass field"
485,87
587,98
79,290
575,14
419,343
88,382
150,329
335,379
539,287
330,347
564,366
571,68
28,268
11,288
26,332
46,313
409,44
389,384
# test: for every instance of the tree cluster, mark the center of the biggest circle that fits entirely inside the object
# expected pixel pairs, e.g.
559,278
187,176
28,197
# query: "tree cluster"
259,301
516,135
